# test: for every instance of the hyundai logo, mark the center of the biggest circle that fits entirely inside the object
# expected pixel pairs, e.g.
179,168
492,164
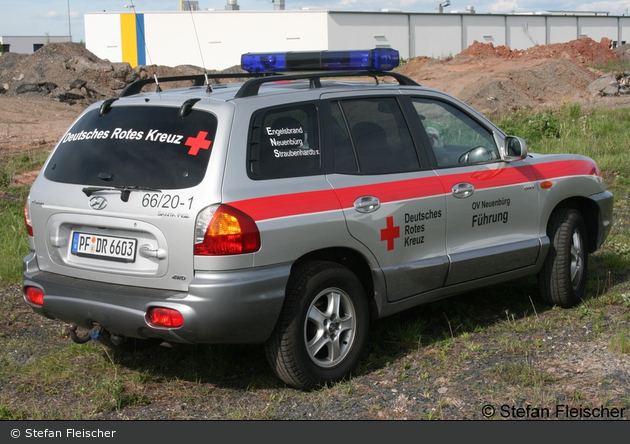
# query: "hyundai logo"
98,202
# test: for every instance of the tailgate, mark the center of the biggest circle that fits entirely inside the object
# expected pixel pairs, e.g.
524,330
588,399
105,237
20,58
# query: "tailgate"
117,200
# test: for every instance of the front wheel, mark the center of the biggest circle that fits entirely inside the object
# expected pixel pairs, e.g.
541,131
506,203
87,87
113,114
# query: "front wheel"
323,326
562,279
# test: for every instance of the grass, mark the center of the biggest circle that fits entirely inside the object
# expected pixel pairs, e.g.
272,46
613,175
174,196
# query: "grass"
13,241
599,134
43,375
522,374
617,66
620,343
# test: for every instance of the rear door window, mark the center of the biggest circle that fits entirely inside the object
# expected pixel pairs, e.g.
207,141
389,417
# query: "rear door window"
370,136
129,146
284,142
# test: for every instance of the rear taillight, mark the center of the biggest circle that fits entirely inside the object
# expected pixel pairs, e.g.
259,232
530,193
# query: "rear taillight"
34,295
223,230
27,219
164,318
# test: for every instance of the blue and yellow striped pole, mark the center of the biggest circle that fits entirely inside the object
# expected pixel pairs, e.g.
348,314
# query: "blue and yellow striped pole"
132,39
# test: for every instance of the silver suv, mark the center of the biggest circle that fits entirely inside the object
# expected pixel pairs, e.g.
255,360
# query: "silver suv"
291,209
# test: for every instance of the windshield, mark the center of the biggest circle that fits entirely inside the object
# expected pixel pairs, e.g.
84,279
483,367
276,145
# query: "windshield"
135,146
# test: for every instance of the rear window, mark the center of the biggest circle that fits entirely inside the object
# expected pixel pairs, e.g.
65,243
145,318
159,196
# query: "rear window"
284,142
131,146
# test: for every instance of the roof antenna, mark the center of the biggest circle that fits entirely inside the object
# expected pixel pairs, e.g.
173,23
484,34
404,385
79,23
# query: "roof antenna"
157,83
205,71
132,6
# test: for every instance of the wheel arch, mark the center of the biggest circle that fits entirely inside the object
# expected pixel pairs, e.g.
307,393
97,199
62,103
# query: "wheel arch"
590,213
351,259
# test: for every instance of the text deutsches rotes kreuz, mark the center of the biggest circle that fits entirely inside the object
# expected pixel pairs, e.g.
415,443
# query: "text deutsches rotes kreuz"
151,135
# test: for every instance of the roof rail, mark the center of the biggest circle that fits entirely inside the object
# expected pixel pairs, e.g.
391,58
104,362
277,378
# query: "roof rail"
251,87
197,79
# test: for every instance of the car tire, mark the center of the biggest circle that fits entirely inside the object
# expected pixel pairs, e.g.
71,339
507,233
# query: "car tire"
562,279
323,326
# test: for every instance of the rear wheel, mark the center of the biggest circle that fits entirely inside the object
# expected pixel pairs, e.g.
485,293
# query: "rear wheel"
562,279
323,326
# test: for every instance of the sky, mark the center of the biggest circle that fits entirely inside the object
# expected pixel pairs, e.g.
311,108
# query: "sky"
64,17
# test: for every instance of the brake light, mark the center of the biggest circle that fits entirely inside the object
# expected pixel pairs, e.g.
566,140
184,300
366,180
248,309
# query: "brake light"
164,317
27,219
224,230
34,295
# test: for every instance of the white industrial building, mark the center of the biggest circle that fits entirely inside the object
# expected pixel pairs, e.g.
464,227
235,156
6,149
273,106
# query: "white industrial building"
216,38
28,44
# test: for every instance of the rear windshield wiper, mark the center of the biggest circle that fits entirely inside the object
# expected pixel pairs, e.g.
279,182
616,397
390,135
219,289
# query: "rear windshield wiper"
124,190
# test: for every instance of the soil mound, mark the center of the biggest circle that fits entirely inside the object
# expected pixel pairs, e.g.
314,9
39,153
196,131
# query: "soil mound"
490,79
583,50
549,83
67,72
501,80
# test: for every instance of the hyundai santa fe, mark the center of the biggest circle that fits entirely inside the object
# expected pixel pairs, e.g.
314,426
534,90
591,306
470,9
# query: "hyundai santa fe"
319,192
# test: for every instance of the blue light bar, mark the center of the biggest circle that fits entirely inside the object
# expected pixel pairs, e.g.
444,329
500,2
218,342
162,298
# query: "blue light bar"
378,59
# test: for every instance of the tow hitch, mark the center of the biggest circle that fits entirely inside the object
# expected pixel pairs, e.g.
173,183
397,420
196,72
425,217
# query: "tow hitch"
97,332
93,334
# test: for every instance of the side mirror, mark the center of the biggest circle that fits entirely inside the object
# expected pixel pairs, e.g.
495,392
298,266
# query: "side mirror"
476,155
515,149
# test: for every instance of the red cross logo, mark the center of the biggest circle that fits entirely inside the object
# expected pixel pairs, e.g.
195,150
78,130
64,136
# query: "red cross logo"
390,233
197,143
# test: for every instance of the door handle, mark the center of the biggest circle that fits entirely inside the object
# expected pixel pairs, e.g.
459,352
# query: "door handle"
367,204
463,190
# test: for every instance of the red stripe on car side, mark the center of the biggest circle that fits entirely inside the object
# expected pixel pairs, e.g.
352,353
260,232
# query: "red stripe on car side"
309,202
565,168
392,191
286,205
522,174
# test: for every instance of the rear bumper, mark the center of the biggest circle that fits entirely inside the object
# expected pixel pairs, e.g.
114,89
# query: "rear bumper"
219,307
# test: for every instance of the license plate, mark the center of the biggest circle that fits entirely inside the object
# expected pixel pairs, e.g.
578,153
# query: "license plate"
105,247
